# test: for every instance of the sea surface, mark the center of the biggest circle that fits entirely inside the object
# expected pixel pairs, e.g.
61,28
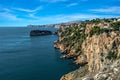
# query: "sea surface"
30,58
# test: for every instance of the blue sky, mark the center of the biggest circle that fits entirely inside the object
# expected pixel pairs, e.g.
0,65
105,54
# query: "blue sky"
25,12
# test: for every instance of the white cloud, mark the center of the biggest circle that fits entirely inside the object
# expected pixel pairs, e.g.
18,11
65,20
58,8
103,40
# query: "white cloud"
32,15
115,9
33,19
28,10
64,18
52,1
7,10
83,0
72,4
9,16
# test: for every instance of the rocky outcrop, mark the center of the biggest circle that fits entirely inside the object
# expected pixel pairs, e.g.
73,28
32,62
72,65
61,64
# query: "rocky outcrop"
109,72
101,49
40,32
76,75
98,50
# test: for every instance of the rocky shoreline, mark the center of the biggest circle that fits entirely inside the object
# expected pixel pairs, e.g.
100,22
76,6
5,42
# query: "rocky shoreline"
95,45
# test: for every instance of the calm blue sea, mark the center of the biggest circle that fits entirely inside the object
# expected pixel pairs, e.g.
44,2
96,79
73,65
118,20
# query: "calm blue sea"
30,58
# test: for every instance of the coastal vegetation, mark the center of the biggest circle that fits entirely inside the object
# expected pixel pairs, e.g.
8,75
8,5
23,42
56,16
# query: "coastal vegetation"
92,44
115,25
111,55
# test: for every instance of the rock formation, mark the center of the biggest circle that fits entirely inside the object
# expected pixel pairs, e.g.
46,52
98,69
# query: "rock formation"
95,47
40,32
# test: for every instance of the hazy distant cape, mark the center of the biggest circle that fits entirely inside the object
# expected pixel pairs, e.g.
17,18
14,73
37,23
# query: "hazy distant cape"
57,25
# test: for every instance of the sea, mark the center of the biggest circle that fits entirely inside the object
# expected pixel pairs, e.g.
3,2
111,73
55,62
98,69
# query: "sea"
30,58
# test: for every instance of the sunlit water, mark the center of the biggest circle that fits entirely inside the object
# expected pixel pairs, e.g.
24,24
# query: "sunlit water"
30,58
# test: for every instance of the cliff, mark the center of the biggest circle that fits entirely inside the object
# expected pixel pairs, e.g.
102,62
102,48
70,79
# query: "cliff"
95,46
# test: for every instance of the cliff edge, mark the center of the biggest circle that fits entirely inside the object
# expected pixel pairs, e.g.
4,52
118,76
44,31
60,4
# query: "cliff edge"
95,46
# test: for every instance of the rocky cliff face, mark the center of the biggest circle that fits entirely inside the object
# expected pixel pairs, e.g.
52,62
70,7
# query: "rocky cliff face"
98,51
107,72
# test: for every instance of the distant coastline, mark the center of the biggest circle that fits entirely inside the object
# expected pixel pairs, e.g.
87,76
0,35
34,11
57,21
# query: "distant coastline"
57,25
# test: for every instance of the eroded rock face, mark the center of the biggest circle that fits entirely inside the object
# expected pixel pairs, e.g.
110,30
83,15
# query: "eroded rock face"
97,52
76,75
110,72
40,32
97,48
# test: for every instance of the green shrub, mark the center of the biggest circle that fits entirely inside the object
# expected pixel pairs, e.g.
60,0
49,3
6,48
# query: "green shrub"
111,55
98,31
115,25
95,30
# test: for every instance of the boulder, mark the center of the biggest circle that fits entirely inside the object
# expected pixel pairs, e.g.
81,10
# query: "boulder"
40,32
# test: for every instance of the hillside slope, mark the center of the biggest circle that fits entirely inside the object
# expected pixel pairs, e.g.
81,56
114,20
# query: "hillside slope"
95,46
